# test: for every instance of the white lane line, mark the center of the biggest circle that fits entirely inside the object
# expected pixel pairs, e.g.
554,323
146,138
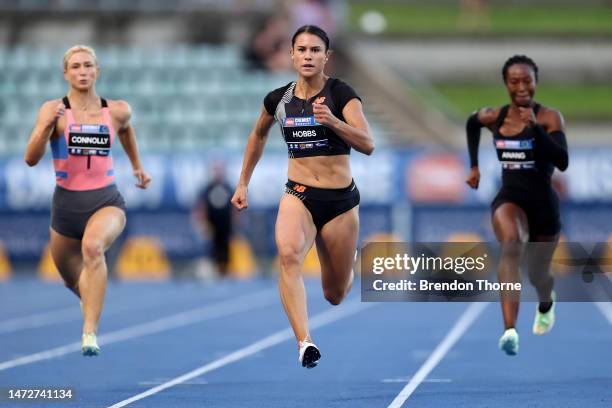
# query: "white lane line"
216,310
465,321
317,321
606,309
69,314
40,319
406,379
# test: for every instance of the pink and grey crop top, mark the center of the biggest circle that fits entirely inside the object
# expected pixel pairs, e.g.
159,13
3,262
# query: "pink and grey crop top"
82,154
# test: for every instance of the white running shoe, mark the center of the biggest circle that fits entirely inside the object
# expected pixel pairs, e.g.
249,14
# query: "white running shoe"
543,322
90,345
309,354
509,342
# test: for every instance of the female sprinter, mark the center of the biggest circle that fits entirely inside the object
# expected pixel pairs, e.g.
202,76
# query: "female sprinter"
530,142
88,213
321,119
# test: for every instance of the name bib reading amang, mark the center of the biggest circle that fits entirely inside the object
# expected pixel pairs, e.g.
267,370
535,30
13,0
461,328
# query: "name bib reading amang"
304,133
87,140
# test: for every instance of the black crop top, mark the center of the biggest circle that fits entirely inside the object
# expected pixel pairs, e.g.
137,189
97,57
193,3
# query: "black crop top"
523,165
303,135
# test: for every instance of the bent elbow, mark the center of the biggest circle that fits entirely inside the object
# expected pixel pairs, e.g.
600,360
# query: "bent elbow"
30,161
563,163
368,149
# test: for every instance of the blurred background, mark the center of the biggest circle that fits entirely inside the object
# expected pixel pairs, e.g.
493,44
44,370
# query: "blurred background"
196,71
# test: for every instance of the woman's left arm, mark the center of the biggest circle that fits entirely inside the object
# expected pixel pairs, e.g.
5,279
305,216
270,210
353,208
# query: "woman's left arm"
122,113
549,128
355,131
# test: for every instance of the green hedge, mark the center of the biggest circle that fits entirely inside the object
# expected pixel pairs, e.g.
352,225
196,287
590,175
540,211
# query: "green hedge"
502,20
576,102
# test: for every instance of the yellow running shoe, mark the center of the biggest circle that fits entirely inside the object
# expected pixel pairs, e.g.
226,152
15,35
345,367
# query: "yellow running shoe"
543,322
90,344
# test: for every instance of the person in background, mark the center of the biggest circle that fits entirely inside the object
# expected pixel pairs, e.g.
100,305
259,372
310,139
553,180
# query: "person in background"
214,214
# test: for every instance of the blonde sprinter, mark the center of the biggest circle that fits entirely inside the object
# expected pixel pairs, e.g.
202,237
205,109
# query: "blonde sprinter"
88,212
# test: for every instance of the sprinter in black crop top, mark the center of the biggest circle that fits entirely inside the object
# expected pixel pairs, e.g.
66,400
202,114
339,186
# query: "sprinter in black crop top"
530,142
302,134
321,119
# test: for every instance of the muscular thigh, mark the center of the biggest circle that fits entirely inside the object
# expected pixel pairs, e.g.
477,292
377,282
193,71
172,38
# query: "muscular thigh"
66,254
540,253
295,232
336,246
105,225
510,223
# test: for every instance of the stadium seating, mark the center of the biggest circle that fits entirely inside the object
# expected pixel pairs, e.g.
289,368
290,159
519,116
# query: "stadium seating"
185,97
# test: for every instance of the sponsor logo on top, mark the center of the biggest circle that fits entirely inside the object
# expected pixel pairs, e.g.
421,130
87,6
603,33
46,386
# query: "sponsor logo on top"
92,129
300,121
514,144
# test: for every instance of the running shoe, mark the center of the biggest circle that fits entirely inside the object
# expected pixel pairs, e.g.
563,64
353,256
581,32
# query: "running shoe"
309,354
90,345
543,322
509,342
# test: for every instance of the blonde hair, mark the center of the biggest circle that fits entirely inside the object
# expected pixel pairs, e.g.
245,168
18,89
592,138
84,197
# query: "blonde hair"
79,48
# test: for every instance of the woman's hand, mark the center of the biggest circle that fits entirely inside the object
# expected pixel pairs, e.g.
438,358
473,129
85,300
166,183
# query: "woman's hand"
323,115
53,116
528,116
239,200
474,178
143,178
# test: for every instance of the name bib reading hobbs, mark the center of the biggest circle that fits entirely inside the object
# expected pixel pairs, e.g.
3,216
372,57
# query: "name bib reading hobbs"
304,133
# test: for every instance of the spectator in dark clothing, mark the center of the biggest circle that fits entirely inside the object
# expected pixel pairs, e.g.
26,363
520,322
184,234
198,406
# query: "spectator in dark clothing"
214,214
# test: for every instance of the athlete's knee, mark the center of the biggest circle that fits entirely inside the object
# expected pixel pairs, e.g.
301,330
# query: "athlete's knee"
93,250
539,275
289,256
512,243
513,236
335,296
73,287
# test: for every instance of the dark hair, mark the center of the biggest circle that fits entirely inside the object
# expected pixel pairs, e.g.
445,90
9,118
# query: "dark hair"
519,59
314,30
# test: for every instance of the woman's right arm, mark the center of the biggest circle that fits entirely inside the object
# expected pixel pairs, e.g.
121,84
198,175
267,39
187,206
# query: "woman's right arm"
48,115
485,117
252,153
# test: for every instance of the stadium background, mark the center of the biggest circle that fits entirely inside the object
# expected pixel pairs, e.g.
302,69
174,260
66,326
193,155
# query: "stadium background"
187,70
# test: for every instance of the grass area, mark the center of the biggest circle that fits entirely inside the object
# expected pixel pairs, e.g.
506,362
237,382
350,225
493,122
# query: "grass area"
497,20
575,102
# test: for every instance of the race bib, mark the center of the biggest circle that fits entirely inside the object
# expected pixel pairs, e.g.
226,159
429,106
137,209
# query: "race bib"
304,133
89,140
515,154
